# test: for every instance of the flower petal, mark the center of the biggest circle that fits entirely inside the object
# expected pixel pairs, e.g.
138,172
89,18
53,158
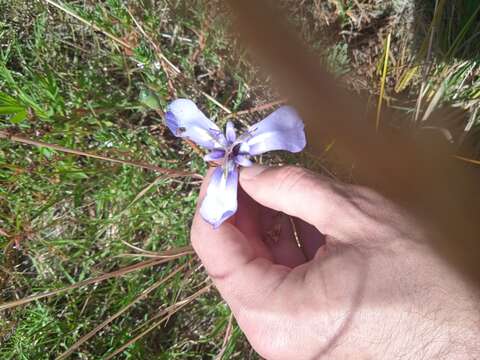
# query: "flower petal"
185,120
214,155
221,200
243,160
281,130
230,132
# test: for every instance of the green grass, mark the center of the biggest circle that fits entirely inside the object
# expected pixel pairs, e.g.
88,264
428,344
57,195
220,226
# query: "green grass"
64,83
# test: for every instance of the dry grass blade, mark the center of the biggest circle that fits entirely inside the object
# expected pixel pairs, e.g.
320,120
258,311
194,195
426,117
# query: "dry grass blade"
262,107
468,127
439,4
186,279
176,70
257,108
93,26
165,171
136,248
215,102
143,295
141,194
159,53
163,59
382,83
181,251
471,161
145,190
168,312
435,99
226,338
166,64
116,273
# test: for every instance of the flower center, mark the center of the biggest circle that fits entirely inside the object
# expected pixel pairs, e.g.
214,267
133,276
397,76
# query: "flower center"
231,151
235,150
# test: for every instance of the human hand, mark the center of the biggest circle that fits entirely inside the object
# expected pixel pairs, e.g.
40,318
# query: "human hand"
369,288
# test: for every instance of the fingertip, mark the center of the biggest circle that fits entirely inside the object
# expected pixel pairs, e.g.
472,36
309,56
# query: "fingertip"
251,172
219,247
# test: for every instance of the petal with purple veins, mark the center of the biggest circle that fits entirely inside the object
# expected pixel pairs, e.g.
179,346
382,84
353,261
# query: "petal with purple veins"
244,147
185,120
230,132
281,130
214,155
172,123
220,203
243,160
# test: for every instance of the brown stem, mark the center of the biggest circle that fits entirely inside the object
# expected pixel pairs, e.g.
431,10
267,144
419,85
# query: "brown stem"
169,172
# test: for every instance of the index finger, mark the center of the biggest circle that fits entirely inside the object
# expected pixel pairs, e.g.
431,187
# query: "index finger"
222,250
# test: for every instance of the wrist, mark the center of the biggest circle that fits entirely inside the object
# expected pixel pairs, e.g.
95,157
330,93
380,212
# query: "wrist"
446,327
439,332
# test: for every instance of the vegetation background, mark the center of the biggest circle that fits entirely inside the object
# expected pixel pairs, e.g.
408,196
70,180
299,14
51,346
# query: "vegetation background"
94,227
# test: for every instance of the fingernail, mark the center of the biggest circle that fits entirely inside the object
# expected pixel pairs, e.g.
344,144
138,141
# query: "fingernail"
249,173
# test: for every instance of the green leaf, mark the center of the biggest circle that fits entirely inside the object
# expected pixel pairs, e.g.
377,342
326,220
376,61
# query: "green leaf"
10,106
47,152
7,99
8,110
22,115
149,99
76,175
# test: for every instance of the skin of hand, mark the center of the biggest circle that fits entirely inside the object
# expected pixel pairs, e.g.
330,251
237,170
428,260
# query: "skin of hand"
364,285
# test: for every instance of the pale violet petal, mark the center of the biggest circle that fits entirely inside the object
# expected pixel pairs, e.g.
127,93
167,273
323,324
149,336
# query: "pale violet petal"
230,132
172,123
185,120
243,160
214,155
281,130
220,202
244,148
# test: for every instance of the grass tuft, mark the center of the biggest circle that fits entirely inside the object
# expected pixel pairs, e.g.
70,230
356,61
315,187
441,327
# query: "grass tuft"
97,197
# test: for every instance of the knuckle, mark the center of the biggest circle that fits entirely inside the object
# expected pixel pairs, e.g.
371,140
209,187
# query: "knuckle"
366,194
290,178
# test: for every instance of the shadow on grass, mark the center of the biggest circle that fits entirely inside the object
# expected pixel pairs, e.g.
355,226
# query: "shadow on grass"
457,33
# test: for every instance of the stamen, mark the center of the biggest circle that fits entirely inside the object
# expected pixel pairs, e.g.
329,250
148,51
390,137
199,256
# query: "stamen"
235,150
180,131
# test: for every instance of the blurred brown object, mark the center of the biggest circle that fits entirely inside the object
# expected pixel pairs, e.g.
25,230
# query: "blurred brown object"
421,175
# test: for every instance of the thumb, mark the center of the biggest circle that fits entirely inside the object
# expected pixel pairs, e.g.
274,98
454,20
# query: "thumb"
241,271
301,193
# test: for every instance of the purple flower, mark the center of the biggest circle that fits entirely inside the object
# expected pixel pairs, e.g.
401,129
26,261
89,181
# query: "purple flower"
281,130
